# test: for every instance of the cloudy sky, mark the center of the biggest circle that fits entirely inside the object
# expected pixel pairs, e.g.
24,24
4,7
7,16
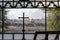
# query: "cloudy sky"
31,13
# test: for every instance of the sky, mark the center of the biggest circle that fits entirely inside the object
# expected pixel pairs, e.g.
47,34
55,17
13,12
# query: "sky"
31,13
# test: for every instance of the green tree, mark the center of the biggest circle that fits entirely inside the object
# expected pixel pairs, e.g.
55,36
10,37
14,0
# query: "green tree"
53,19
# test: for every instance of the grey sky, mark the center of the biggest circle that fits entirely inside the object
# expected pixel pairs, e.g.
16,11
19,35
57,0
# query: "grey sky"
31,13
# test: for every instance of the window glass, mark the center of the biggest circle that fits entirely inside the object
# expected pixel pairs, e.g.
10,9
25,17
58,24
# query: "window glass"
8,37
32,21
18,36
40,37
13,23
0,36
29,36
51,36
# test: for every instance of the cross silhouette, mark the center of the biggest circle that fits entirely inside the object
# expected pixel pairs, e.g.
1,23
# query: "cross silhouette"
23,27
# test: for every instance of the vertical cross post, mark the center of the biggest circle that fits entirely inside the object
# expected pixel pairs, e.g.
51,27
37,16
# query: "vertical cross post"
23,29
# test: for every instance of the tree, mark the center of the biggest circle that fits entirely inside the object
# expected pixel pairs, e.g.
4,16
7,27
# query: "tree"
53,22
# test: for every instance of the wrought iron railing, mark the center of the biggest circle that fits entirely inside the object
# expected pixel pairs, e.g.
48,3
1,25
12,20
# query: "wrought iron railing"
47,34
33,4
25,4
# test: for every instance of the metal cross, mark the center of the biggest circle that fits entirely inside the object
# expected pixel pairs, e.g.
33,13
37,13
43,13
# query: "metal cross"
23,27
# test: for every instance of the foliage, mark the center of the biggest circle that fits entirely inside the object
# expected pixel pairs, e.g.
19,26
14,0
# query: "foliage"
53,19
